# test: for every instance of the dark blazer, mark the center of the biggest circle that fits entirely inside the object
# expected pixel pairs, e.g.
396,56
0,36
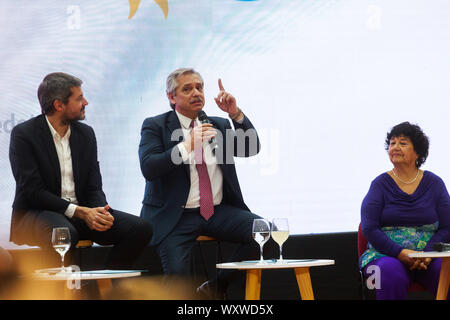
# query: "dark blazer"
36,169
168,183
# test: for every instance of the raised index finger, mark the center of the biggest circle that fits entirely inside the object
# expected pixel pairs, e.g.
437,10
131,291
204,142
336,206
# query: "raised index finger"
220,85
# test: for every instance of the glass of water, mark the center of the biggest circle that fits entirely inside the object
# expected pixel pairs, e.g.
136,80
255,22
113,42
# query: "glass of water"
280,233
261,233
61,242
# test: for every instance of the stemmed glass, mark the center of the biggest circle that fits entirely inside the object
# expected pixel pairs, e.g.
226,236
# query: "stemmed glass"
261,233
61,242
280,233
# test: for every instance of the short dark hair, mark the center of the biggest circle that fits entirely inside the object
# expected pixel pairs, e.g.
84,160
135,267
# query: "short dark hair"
419,140
56,86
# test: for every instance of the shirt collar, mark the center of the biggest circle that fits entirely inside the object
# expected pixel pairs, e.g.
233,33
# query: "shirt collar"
56,134
185,121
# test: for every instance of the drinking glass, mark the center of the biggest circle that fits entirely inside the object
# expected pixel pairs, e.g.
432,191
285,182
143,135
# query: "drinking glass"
261,233
61,242
280,233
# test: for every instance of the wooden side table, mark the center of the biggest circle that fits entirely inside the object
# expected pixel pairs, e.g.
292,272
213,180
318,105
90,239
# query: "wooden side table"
444,277
254,269
103,278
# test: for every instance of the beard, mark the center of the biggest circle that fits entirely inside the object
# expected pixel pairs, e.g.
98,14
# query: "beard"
74,118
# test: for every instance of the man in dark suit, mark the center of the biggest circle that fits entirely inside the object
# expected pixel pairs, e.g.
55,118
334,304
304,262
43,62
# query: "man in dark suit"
188,193
58,182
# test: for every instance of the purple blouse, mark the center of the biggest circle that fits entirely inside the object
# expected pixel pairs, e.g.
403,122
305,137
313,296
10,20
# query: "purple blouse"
386,205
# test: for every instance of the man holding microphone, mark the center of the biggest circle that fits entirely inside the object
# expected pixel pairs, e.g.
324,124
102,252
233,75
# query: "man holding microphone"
192,187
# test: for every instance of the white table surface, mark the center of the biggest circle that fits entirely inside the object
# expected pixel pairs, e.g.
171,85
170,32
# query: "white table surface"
430,254
270,264
48,274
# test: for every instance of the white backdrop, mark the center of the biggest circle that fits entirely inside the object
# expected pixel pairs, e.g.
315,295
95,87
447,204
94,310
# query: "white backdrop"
322,81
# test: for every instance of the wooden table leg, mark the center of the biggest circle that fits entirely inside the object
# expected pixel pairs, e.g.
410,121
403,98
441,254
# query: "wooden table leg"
304,283
72,294
444,280
253,284
104,285
68,293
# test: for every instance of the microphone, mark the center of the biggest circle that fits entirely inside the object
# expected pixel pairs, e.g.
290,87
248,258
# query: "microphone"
204,119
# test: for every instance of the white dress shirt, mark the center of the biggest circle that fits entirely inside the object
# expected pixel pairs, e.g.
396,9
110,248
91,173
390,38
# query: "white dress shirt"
214,171
65,163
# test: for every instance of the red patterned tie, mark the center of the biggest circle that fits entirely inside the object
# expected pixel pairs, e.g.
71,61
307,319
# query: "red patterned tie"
206,198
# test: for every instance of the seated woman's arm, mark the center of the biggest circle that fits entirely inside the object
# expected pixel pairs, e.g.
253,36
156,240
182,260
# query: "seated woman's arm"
371,210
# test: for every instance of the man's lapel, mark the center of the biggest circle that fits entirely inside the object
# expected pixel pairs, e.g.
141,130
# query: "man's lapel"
173,124
49,144
75,152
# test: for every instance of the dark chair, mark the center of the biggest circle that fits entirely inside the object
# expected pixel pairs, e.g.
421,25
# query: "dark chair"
362,246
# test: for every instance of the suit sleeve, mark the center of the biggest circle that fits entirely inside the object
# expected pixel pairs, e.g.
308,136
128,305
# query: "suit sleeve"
28,178
154,160
245,138
94,189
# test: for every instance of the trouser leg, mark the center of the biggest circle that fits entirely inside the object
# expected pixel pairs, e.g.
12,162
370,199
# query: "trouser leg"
129,236
394,278
175,250
41,235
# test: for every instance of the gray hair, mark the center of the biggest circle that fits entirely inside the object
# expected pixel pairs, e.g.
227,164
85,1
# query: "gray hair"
172,84
56,86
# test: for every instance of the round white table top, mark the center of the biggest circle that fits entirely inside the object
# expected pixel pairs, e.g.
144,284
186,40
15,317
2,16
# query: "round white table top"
52,274
430,254
273,264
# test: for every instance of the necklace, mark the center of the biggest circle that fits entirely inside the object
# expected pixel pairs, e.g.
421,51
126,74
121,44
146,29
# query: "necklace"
393,170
